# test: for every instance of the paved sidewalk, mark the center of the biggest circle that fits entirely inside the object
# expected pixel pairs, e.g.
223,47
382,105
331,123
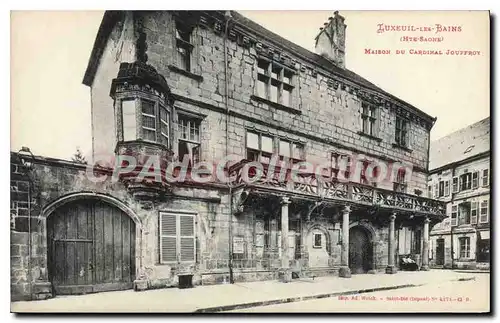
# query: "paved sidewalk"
240,295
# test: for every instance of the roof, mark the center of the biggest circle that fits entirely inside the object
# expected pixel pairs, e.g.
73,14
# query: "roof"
110,17
460,145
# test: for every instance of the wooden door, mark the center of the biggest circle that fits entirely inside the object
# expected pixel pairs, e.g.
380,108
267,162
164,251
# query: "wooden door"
440,252
91,248
360,251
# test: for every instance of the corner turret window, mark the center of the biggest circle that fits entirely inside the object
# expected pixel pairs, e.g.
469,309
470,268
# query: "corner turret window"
152,125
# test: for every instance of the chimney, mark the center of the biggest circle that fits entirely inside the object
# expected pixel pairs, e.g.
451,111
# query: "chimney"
330,42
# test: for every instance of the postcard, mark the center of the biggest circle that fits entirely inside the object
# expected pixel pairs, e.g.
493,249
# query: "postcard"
250,161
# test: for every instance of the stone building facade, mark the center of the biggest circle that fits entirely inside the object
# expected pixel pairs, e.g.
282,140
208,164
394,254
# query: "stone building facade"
460,176
200,87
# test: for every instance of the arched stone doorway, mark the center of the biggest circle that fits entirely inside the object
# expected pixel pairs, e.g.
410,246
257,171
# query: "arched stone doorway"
318,246
360,250
91,246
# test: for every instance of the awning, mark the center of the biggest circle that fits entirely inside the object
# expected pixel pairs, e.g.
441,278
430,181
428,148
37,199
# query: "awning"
485,235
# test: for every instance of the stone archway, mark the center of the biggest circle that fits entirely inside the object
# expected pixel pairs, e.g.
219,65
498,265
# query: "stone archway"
92,242
362,251
318,244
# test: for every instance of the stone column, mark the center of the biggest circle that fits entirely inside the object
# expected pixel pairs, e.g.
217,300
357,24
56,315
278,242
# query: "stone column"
344,270
391,268
285,273
425,249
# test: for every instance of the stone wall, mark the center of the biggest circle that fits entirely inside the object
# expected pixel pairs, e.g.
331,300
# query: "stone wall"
328,119
54,180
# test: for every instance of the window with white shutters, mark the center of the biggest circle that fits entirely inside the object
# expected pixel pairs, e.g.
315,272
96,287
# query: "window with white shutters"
455,185
168,237
177,237
483,217
473,212
187,239
447,188
486,177
475,179
454,215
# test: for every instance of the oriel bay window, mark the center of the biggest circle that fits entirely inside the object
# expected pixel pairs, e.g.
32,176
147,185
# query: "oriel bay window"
274,82
153,124
189,138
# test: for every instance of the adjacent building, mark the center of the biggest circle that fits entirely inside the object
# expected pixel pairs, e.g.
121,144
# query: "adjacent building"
199,86
460,176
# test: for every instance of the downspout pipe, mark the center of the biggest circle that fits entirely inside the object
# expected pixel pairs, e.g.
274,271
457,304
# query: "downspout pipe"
228,18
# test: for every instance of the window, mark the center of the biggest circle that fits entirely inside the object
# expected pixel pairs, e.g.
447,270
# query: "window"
454,214
317,240
464,213
291,150
259,147
447,188
129,120
400,183
148,120
473,212
429,191
441,189
183,46
465,181
455,185
401,131
368,118
177,238
189,139
364,177
154,121
475,179
274,82
486,177
483,217
464,243
340,161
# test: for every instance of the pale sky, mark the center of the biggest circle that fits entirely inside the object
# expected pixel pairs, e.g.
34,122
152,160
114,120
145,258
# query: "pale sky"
49,53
